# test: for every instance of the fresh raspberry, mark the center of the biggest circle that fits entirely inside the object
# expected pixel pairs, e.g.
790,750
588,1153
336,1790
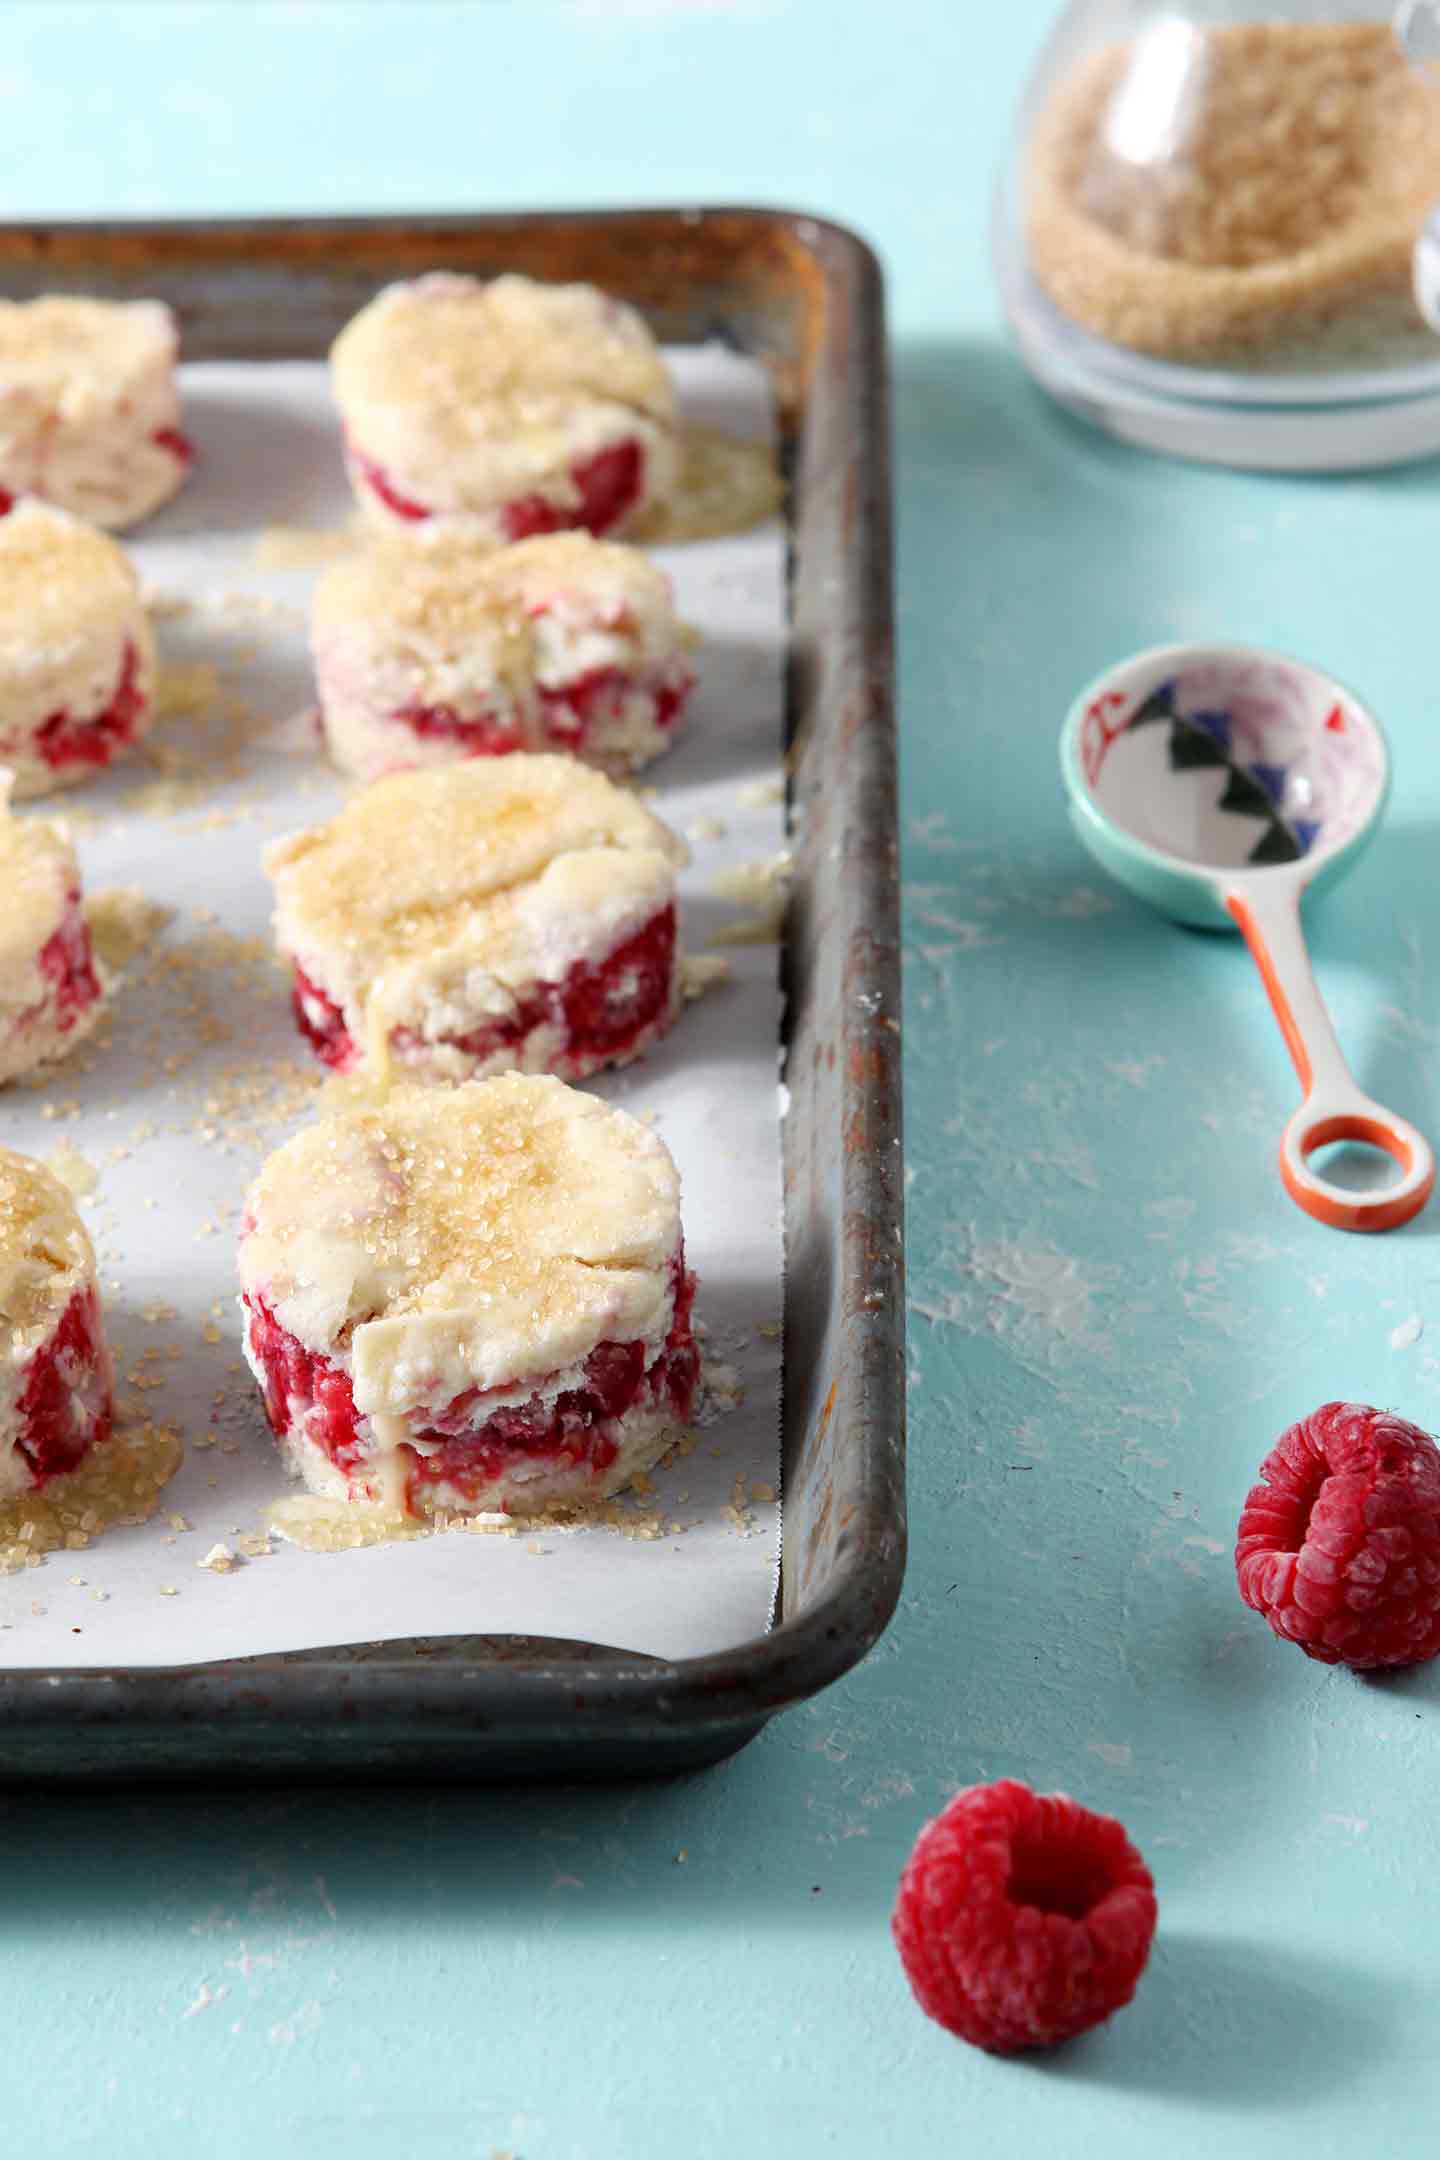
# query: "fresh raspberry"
1339,1543
1022,1917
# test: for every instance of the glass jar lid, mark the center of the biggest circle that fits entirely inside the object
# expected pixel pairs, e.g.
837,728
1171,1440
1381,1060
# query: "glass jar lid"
1210,206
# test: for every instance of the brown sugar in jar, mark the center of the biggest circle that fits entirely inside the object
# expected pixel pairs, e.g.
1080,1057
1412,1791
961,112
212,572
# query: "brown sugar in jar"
1247,195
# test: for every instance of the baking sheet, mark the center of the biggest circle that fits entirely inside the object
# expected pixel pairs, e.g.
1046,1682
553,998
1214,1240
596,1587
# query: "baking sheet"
199,1073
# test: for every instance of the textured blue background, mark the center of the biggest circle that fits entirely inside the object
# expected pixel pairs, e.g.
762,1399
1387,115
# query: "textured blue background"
1114,1307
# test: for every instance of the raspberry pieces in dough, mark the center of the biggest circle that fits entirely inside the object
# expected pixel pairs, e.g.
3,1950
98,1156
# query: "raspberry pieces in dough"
430,652
51,990
511,913
89,413
470,1298
77,657
524,407
55,1375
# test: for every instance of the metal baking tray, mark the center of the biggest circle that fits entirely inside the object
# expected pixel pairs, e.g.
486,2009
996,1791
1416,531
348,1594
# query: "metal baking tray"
805,297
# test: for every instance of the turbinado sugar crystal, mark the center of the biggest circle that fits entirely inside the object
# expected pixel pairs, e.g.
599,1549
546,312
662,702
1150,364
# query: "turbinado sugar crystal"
1248,195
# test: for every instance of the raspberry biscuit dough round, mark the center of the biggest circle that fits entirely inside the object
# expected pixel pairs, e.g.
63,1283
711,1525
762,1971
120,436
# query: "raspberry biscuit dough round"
430,653
77,656
514,913
51,988
471,1298
89,412
56,1387
523,407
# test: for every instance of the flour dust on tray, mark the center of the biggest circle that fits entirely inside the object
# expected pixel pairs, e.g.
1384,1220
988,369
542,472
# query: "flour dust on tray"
469,1300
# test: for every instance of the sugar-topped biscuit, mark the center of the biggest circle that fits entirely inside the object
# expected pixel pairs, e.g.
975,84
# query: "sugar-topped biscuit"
524,407
89,411
77,655
51,988
470,1298
512,913
426,653
56,1388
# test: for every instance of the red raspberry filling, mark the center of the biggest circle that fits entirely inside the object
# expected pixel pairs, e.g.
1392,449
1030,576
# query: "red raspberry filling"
65,1406
67,963
379,483
176,442
570,713
1339,1543
480,734
1022,1918
603,1009
321,1021
572,710
608,485
62,740
469,1450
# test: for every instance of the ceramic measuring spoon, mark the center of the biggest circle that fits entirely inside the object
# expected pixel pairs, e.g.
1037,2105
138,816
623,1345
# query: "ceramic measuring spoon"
1221,783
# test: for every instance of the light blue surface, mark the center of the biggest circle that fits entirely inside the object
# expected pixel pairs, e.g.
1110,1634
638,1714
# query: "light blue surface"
1115,1306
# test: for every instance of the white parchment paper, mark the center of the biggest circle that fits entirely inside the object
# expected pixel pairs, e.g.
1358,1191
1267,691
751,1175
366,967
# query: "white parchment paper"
199,1072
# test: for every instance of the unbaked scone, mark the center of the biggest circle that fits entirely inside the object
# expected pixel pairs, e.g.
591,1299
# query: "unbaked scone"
51,989
56,1383
89,410
77,654
510,914
524,407
471,1298
433,651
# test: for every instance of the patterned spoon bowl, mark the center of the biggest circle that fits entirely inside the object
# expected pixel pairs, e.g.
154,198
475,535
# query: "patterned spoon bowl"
1222,783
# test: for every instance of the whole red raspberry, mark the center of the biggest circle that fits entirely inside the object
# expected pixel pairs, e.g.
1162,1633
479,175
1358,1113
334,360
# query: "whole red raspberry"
1339,1544
1022,1917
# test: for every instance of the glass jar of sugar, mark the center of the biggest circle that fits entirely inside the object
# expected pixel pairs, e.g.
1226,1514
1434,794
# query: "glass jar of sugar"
1212,237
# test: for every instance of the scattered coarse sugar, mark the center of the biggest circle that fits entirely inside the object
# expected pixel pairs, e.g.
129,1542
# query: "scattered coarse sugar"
762,886
700,972
240,604
186,689
79,1176
726,485
162,605
120,1481
326,1526
296,547
737,1512
201,742
329,1526
721,1390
